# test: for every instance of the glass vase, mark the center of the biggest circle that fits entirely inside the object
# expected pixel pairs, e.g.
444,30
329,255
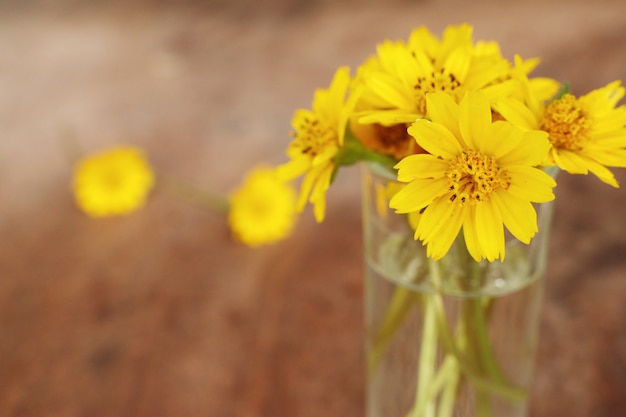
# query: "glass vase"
446,338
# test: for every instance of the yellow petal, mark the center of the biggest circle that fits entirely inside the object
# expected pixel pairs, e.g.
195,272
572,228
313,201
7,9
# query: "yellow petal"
318,194
458,63
614,120
470,234
319,209
474,119
608,157
390,89
442,109
532,150
292,169
543,88
435,139
484,75
421,166
424,63
490,231
387,117
519,216
500,89
439,226
569,161
305,190
418,194
504,137
339,85
603,173
611,140
327,154
517,113
530,184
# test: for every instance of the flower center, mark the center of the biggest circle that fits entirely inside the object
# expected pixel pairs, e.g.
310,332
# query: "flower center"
312,136
566,123
113,179
437,81
473,177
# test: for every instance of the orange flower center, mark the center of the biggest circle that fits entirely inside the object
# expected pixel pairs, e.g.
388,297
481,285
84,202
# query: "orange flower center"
312,136
473,177
566,123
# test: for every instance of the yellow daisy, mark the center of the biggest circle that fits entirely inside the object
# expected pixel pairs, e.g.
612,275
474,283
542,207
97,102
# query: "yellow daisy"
398,79
263,209
318,135
587,134
113,182
394,83
478,175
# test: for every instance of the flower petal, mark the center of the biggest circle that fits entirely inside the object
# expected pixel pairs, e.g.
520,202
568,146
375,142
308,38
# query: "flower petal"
318,194
602,172
390,89
442,109
386,117
470,234
439,226
474,119
504,138
519,216
532,150
530,184
421,166
435,139
294,168
517,113
418,194
305,189
607,157
490,231
569,161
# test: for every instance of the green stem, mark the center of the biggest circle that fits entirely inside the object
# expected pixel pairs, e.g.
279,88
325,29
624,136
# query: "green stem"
195,194
485,351
503,389
426,365
448,394
483,406
400,304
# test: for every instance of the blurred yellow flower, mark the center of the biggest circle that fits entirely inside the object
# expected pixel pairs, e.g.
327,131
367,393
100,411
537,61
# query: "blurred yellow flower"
397,80
318,135
263,209
479,175
113,182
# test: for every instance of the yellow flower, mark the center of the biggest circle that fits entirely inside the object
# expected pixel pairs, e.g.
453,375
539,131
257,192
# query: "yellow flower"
113,182
394,83
318,135
397,81
478,174
262,209
587,134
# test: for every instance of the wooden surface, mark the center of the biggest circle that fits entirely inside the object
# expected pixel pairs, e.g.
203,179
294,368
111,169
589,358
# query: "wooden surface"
160,313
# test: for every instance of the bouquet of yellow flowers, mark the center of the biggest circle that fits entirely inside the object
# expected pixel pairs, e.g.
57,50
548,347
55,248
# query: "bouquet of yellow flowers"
461,149
468,131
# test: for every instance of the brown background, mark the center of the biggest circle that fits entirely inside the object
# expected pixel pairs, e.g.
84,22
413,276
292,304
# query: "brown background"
160,313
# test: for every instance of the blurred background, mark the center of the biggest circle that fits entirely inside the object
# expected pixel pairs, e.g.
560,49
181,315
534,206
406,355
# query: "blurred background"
160,313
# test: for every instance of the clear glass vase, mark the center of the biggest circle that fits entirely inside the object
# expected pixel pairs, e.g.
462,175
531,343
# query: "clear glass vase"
451,337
